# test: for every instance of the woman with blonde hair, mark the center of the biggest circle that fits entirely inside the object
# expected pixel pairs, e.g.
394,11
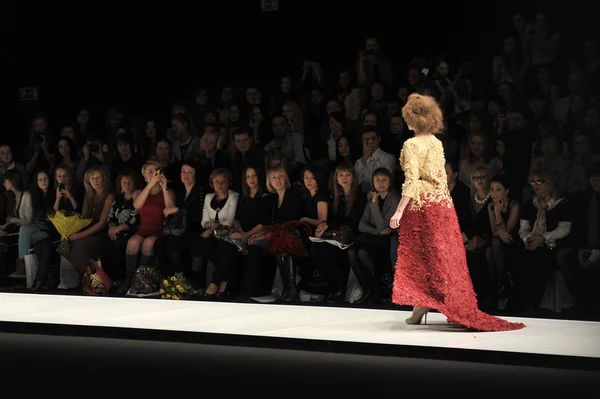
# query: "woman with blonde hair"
286,236
87,244
150,204
544,227
431,270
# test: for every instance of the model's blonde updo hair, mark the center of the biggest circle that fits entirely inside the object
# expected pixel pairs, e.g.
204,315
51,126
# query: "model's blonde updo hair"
423,114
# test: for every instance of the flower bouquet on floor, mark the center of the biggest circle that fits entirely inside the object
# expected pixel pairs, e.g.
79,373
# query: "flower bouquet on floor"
176,287
95,280
67,225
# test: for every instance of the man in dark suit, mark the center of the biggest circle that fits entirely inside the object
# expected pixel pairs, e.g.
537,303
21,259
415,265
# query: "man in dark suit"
246,155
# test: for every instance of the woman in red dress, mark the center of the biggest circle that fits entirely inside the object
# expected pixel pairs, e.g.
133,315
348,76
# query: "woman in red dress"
431,271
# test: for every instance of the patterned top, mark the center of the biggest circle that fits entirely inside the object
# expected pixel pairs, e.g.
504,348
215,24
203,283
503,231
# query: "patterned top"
422,160
122,211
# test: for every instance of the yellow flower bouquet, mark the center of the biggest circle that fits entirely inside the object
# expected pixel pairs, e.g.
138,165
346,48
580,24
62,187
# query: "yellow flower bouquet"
67,225
176,287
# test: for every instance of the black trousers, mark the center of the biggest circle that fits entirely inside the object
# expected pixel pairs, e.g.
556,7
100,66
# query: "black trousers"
112,256
48,258
172,253
221,254
258,272
332,260
532,278
578,280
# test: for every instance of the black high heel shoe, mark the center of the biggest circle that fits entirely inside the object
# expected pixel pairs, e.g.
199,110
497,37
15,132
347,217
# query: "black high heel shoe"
210,296
223,294
36,286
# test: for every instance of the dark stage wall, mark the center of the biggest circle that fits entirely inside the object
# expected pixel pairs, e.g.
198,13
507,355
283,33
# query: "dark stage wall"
144,58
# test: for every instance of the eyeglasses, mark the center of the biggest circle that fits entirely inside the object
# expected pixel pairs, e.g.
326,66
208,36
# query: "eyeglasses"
537,182
480,177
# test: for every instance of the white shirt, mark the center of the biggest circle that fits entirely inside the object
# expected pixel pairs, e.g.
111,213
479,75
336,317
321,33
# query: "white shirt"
226,214
364,172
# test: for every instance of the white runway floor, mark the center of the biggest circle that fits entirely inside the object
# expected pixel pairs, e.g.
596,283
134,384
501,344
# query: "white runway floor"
550,337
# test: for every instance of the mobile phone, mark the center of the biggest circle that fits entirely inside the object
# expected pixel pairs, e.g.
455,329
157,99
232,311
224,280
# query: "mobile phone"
61,186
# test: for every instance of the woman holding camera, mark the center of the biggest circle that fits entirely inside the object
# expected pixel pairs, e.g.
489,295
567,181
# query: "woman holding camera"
68,197
150,204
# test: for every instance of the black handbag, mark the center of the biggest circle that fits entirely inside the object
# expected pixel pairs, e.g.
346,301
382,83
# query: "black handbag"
175,224
343,235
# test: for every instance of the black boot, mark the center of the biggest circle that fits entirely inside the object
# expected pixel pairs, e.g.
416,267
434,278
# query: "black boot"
131,265
287,271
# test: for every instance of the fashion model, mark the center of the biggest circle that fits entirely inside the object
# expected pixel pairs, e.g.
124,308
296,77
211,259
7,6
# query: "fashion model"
431,271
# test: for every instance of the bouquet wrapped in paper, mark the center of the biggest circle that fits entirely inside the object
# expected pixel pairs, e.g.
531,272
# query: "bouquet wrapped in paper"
67,225
176,287
240,243
95,281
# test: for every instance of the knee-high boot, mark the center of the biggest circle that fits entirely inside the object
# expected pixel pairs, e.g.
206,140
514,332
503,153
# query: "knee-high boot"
287,271
131,265
369,282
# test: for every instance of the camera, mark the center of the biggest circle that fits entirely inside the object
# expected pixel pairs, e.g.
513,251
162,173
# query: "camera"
37,137
370,52
93,147
61,186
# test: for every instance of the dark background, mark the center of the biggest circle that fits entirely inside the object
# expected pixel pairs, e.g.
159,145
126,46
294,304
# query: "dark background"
145,56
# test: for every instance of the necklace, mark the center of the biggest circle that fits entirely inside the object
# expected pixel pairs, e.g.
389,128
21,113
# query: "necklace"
483,201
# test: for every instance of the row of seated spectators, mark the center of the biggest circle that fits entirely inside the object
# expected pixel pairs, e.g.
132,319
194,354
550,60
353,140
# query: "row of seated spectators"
127,229
512,133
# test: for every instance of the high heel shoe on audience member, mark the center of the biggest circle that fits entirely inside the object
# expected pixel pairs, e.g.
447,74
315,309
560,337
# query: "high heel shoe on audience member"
417,315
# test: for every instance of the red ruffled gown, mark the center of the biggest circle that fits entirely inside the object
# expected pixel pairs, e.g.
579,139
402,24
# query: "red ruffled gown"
431,270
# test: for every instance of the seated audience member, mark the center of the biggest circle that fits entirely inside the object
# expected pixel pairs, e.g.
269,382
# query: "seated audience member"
544,226
126,158
290,144
246,154
318,198
579,262
150,204
476,234
95,153
19,214
169,166
66,153
186,146
69,196
123,222
503,255
368,256
87,244
253,212
42,201
7,163
346,211
285,236
218,214
372,159
173,252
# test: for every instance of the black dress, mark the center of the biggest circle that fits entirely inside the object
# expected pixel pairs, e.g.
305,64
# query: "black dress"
172,252
330,258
